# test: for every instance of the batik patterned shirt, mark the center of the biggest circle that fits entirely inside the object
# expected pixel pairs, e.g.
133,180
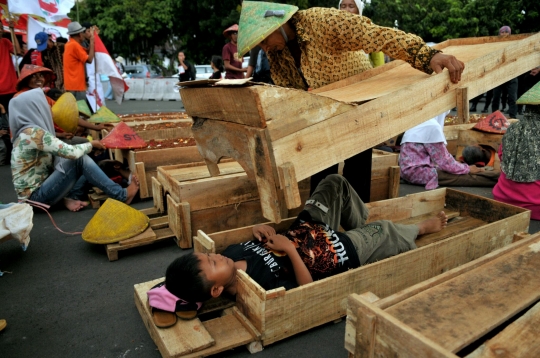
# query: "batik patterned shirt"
329,41
32,158
419,163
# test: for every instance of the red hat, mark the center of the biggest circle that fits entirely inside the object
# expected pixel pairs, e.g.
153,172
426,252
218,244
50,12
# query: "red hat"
123,137
230,29
496,122
29,70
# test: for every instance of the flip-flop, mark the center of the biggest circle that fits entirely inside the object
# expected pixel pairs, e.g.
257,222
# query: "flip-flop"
186,315
162,319
159,296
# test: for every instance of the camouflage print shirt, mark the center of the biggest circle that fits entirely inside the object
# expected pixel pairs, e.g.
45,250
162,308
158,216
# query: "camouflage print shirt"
329,41
32,158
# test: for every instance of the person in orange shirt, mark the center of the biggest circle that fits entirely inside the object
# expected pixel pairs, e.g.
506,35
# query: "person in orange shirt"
75,58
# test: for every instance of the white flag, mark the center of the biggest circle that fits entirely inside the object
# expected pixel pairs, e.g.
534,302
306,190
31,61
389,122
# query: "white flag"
51,10
35,26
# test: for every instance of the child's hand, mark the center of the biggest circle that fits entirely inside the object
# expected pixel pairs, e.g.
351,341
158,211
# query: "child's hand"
280,243
263,231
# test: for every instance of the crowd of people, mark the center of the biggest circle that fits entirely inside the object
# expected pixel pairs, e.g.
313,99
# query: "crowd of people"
288,48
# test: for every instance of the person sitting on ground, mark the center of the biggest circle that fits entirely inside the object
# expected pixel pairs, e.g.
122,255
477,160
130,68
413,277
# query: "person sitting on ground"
310,249
40,77
519,183
47,170
217,65
424,159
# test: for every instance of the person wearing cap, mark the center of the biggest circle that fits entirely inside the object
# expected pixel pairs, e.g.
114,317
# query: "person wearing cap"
8,75
511,87
75,59
519,183
119,63
52,55
231,59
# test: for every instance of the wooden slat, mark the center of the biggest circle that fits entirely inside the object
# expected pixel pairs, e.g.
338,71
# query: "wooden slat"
484,298
143,182
167,156
454,227
157,195
462,104
146,235
182,338
519,340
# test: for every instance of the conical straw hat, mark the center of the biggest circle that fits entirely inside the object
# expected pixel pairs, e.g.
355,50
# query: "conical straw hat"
83,108
123,137
113,222
496,122
65,112
104,115
532,96
255,27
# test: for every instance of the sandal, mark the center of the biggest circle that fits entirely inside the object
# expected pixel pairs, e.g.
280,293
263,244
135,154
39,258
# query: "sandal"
162,319
160,299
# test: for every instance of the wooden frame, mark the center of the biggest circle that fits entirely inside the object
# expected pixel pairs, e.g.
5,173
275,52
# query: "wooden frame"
443,315
269,128
277,314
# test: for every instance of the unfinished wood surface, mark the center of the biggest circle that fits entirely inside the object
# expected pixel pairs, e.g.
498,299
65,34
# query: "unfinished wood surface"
473,137
393,181
454,227
144,190
158,195
182,338
519,340
159,235
462,104
180,222
461,310
287,180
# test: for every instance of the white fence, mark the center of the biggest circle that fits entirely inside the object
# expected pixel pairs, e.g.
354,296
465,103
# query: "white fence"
157,89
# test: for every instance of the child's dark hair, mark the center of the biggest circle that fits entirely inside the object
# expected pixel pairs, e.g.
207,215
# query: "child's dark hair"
472,155
185,280
54,93
218,63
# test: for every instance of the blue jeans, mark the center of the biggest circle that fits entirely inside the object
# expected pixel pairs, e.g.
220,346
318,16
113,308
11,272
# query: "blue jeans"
72,183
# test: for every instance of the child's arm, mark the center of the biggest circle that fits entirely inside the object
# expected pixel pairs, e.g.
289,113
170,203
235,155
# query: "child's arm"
282,243
261,232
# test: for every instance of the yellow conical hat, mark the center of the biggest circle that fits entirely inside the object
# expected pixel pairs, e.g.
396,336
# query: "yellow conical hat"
83,108
113,222
65,113
104,115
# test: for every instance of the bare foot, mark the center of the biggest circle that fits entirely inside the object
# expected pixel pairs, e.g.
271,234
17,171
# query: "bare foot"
433,224
74,205
132,189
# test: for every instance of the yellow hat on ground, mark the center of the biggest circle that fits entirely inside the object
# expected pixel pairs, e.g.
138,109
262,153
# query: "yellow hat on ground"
83,108
104,115
65,112
113,222
258,20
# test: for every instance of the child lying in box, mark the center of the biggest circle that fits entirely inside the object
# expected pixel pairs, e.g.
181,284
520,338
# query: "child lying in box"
308,251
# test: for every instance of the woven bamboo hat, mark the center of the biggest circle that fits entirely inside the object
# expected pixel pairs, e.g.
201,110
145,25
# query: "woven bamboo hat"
65,112
83,108
29,70
258,20
104,115
532,96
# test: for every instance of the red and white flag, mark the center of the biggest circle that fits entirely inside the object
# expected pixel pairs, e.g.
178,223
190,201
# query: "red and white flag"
50,10
105,66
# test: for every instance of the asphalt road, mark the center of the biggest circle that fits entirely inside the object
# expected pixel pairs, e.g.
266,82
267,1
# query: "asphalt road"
63,298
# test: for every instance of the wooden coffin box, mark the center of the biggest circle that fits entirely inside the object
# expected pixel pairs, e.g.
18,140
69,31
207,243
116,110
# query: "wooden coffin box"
384,175
194,200
281,136
480,226
472,137
450,314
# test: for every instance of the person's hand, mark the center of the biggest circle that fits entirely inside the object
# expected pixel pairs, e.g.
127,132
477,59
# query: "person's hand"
455,67
535,71
107,126
280,243
473,169
92,33
98,145
2,109
3,132
261,232
64,135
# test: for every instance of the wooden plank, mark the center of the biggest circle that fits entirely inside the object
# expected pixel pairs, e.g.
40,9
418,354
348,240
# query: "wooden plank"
146,235
519,339
454,227
462,104
143,182
160,235
484,299
179,222
203,243
288,182
393,181
380,332
159,223
158,195
251,300
176,341
168,156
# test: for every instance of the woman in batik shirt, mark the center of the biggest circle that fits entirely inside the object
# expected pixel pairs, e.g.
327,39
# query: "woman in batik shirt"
47,170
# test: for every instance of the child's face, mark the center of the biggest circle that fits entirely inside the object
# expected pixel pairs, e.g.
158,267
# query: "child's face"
217,268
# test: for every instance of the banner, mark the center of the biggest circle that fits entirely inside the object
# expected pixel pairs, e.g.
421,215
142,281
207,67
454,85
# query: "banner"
50,10
105,66
35,26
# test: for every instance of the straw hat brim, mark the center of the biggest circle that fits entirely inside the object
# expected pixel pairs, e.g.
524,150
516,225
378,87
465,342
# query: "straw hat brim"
532,96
